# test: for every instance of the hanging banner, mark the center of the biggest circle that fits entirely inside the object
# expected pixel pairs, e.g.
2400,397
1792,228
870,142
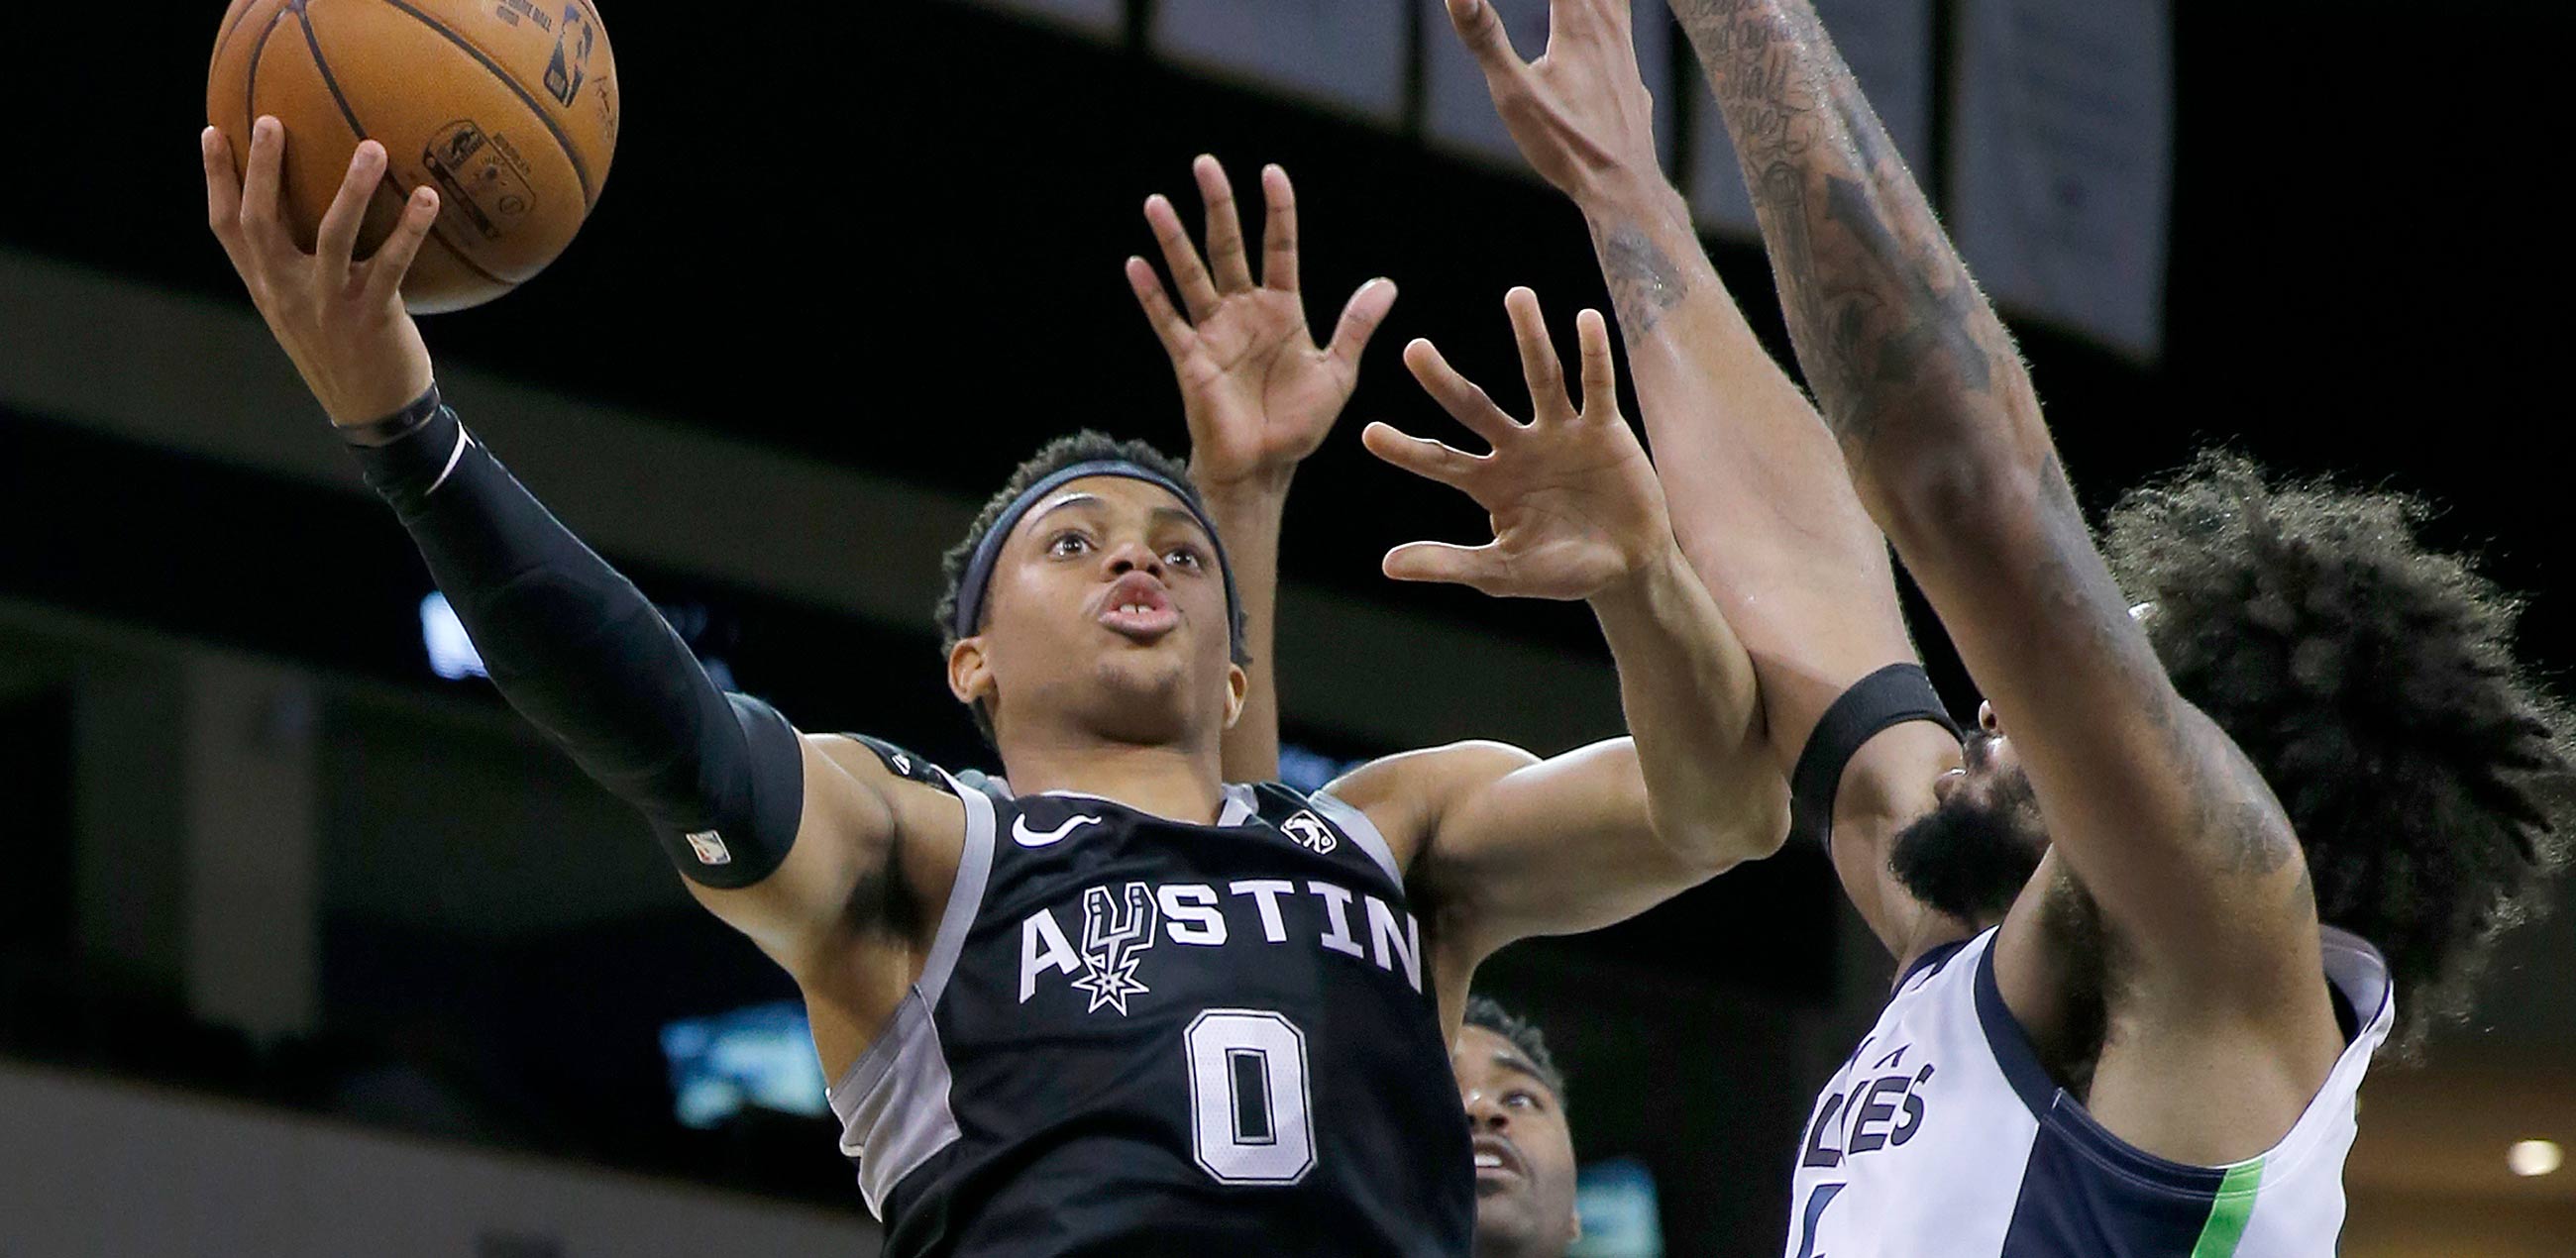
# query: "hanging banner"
1350,54
2062,161
1461,111
1101,17
1887,43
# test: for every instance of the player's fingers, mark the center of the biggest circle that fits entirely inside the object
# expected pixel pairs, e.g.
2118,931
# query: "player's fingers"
1279,231
1198,293
223,202
223,186
1422,456
1360,319
261,226
337,241
1474,566
1600,370
1169,327
1462,398
393,259
1226,258
1541,370
1482,28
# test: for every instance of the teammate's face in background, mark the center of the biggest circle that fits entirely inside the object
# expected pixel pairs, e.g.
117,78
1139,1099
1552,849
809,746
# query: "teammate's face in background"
1524,1151
1973,853
1107,613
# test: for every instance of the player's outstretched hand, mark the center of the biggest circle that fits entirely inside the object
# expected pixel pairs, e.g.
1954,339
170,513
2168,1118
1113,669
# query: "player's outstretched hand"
1581,113
1259,394
342,321
1576,507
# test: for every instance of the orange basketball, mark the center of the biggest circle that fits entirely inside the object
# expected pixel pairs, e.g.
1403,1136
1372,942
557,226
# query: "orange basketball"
507,107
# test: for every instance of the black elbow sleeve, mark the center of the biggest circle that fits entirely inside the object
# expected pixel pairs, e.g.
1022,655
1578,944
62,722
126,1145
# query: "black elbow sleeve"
1889,697
735,822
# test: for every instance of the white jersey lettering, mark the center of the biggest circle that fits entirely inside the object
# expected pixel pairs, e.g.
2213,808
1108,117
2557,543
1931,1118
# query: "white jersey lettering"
1043,947
1266,893
1383,940
1190,914
1337,912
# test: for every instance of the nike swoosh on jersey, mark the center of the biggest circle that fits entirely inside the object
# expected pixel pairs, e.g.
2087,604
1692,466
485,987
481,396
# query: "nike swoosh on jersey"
1026,837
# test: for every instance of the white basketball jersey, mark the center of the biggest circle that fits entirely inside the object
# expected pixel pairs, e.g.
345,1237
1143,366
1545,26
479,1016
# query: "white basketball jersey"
1943,1137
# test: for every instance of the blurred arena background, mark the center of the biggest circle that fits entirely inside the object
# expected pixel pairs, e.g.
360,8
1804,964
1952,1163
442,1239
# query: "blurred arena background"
308,947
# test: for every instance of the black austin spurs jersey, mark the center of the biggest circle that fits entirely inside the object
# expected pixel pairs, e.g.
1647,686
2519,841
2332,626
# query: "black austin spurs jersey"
1138,1036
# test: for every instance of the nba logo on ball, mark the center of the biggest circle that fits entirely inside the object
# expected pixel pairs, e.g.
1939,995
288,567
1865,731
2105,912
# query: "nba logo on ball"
710,848
572,56
1309,831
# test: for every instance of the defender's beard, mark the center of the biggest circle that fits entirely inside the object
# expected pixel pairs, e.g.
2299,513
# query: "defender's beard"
1972,854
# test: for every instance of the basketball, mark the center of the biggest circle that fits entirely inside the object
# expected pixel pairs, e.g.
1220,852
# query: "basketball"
507,107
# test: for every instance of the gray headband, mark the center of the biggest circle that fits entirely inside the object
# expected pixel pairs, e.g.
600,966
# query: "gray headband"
978,576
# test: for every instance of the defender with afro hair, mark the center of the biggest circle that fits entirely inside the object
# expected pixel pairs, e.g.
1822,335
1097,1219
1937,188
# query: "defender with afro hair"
2371,680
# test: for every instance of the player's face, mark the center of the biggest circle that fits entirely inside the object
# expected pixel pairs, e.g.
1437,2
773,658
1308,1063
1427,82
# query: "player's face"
1973,853
1107,607
1524,1152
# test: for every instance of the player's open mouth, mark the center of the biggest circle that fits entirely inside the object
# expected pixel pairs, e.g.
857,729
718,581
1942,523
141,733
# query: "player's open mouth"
1137,607
1496,1158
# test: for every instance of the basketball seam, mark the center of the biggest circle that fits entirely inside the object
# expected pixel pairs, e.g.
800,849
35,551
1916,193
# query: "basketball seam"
580,172
232,28
350,116
250,84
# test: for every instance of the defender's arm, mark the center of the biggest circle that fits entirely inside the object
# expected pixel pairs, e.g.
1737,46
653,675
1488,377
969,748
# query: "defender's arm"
1756,488
2159,815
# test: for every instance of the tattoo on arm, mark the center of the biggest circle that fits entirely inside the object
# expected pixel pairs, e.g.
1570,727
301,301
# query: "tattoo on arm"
1643,281
1879,306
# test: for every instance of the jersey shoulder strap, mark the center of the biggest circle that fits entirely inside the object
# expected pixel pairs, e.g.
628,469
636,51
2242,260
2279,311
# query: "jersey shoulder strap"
1300,816
904,764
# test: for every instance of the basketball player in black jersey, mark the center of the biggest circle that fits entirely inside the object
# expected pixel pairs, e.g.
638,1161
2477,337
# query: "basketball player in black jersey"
2311,718
1243,449
1120,1007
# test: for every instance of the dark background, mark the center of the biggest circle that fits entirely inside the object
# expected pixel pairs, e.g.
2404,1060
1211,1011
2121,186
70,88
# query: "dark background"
888,235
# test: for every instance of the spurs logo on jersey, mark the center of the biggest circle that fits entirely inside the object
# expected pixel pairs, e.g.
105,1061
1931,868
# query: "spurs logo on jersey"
1310,832
1114,929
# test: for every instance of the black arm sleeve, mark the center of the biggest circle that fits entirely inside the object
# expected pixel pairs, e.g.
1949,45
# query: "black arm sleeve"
580,653
1887,698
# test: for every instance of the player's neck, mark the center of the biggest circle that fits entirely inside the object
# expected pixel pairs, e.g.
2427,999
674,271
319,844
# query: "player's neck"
1178,782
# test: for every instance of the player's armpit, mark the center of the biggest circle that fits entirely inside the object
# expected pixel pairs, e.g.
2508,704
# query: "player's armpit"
873,858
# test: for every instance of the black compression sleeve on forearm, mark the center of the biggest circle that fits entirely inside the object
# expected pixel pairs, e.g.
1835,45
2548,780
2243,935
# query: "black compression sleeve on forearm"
585,658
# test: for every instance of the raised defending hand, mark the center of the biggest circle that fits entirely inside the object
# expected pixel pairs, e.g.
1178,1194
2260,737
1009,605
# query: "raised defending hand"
1259,393
341,320
1581,112
1576,507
